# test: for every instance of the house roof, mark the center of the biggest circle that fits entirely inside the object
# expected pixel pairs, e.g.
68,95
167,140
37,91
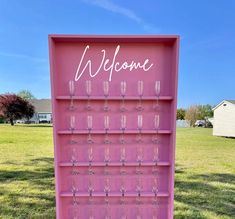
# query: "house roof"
230,101
42,105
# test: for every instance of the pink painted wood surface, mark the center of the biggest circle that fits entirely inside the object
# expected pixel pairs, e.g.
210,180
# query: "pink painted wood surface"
65,53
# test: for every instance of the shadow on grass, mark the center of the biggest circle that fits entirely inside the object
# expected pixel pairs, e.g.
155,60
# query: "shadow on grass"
26,193
212,192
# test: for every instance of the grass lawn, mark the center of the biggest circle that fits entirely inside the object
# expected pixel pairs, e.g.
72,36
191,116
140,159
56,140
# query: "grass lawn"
205,174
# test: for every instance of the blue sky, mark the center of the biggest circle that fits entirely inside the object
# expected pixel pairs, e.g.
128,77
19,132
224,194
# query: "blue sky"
207,30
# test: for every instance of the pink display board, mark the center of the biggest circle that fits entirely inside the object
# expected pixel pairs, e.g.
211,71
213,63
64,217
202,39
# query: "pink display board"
114,115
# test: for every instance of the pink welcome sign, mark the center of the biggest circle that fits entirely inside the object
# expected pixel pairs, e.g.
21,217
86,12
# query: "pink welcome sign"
114,115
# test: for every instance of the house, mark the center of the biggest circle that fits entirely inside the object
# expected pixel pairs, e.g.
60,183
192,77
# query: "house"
43,111
224,119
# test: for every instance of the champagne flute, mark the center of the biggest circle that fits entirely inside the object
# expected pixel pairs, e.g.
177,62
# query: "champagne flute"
139,155
107,187
155,206
140,94
155,155
71,94
106,94
90,210
139,159
139,126
122,200
123,128
73,155
106,160
138,211
74,188
90,188
90,154
89,127
75,211
106,127
90,159
156,127
123,93
123,155
139,186
88,93
157,93
72,123
106,155
155,187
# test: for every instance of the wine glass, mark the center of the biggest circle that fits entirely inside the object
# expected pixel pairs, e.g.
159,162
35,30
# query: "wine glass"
90,154
156,127
123,155
72,123
138,210
140,94
157,93
139,159
139,186
154,214
139,154
90,159
74,187
106,155
90,210
106,160
106,94
123,187
123,93
73,155
123,128
75,211
88,93
106,127
73,159
89,127
71,94
155,186
139,126
155,154
107,186
90,188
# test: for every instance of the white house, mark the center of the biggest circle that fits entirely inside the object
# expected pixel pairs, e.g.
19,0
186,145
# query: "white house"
224,119
43,112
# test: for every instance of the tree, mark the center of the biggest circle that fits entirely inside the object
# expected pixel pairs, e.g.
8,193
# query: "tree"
205,111
13,107
180,114
26,94
192,114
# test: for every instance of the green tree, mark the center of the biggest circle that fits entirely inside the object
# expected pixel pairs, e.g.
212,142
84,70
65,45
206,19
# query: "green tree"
26,94
180,114
205,111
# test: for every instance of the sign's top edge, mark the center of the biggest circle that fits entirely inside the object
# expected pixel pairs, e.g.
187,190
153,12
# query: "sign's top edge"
65,37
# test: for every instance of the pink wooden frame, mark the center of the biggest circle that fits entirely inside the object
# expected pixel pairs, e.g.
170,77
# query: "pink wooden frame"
65,54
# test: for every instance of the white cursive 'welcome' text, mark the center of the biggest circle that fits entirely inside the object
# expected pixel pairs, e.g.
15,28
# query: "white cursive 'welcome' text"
109,65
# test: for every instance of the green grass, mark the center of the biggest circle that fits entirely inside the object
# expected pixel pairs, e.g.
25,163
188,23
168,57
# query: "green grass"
205,174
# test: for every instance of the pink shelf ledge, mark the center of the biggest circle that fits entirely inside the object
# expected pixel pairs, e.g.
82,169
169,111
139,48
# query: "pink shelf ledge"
115,98
113,164
68,132
114,194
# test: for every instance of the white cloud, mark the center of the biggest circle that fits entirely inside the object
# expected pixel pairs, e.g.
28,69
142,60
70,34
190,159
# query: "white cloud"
113,7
